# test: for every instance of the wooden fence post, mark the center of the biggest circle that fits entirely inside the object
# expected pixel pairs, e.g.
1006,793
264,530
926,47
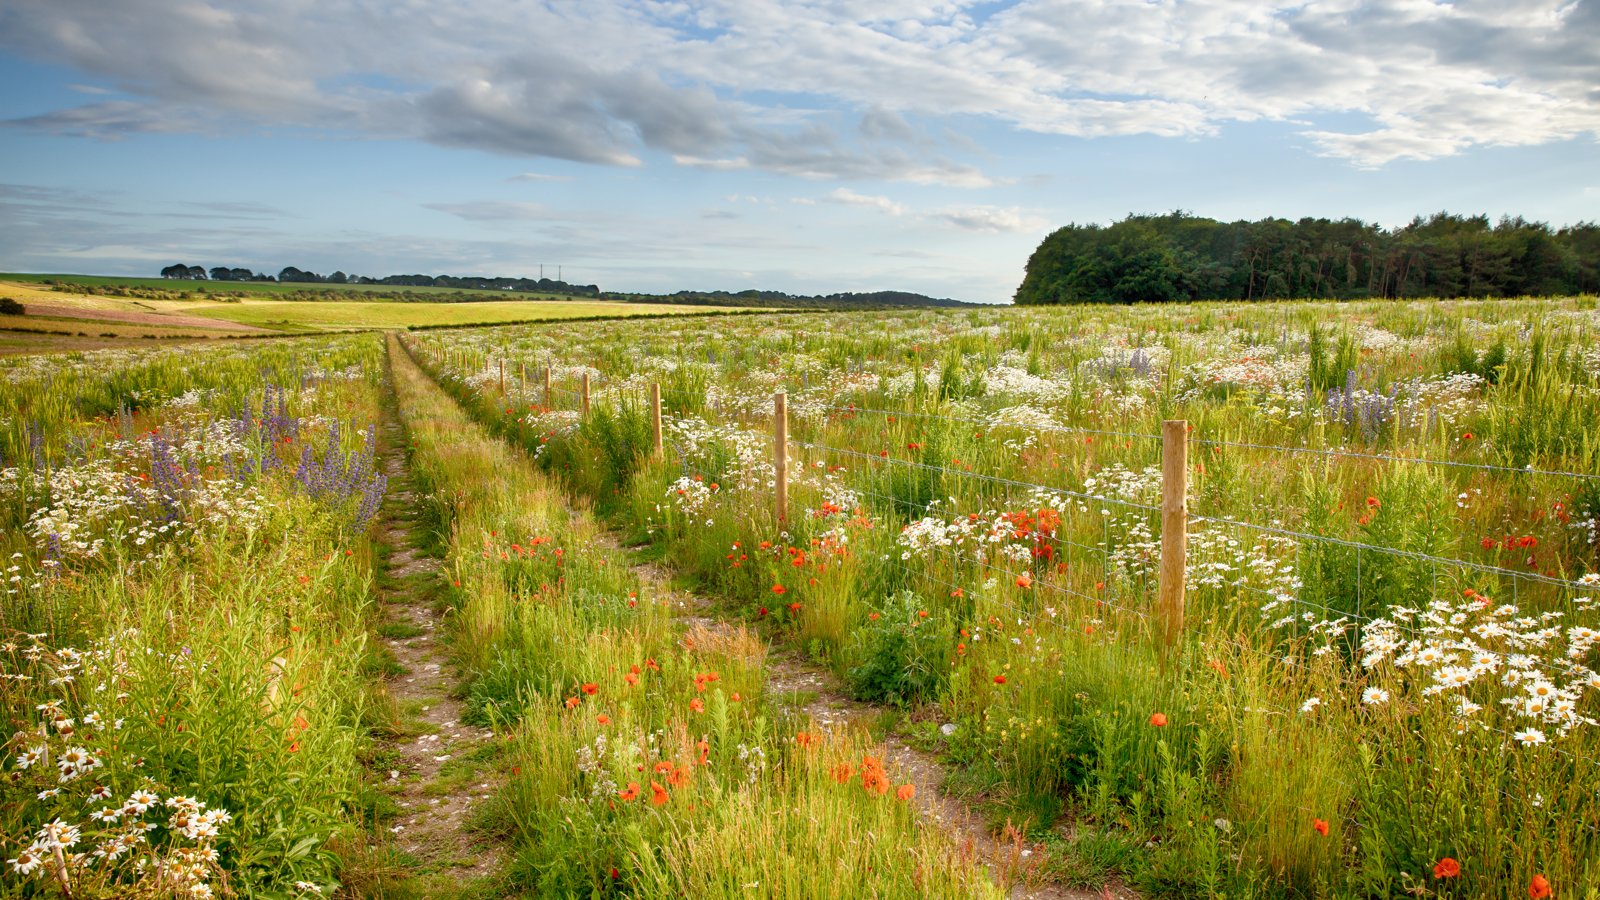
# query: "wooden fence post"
546,387
522,373
502,377
780,452
655,416
1174,528
586,395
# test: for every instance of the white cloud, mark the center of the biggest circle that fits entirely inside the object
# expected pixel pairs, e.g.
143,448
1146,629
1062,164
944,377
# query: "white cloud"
535,176
603,81
988,219
847,197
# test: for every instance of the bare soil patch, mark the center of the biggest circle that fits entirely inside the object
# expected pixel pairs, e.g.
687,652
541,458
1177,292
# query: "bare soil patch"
441,769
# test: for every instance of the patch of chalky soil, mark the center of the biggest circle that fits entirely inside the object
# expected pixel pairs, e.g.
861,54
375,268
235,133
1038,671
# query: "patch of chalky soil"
436,769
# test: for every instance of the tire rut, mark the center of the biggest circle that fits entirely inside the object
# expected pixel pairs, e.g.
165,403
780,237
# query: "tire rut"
439,770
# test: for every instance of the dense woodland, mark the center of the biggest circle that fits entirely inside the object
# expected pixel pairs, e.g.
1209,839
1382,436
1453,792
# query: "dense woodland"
1179,257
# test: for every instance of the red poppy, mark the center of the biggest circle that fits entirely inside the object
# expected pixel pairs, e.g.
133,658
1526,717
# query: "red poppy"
631,678
794,607
1539,887
696,705
603,719
1024,581
658,794
632,793
1446,868
1466,436
1320,827
999,679
1158,719
779,589
906,792
572,703
591,688
762,612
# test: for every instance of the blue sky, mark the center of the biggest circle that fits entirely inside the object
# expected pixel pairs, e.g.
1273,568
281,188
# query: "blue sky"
805,147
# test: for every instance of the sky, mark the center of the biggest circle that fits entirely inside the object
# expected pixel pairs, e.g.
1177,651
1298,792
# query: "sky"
806,147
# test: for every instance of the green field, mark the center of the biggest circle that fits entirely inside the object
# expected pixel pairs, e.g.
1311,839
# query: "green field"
292,315
156,300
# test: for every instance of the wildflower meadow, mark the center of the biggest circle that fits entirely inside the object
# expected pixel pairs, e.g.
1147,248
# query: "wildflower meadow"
1378,679
1381,684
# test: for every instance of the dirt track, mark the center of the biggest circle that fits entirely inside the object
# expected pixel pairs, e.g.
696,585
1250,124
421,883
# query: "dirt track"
133,318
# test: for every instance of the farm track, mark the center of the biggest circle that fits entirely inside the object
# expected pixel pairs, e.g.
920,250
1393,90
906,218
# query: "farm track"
440,769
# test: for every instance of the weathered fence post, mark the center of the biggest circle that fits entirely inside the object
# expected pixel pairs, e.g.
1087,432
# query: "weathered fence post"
522,373
586,395
1174,528
546,387
780,452
502,377
655,416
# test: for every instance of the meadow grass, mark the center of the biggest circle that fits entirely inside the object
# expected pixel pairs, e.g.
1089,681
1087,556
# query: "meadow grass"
645,761
1396,678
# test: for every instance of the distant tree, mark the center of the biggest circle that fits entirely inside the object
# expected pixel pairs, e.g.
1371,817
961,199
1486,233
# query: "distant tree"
221,273
291,274
197,273
176,271
10,307
241,275
336,278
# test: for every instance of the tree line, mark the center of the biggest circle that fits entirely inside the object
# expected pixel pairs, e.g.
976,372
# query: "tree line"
294,275
755,299
1181,257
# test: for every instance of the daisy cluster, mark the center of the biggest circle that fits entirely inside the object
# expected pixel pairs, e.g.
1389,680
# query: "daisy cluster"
125,841
109,838
1474,649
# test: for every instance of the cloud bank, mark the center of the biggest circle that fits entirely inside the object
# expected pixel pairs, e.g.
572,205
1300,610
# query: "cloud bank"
606,82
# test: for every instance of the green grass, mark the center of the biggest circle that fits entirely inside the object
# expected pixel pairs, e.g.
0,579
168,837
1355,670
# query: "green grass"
332,315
